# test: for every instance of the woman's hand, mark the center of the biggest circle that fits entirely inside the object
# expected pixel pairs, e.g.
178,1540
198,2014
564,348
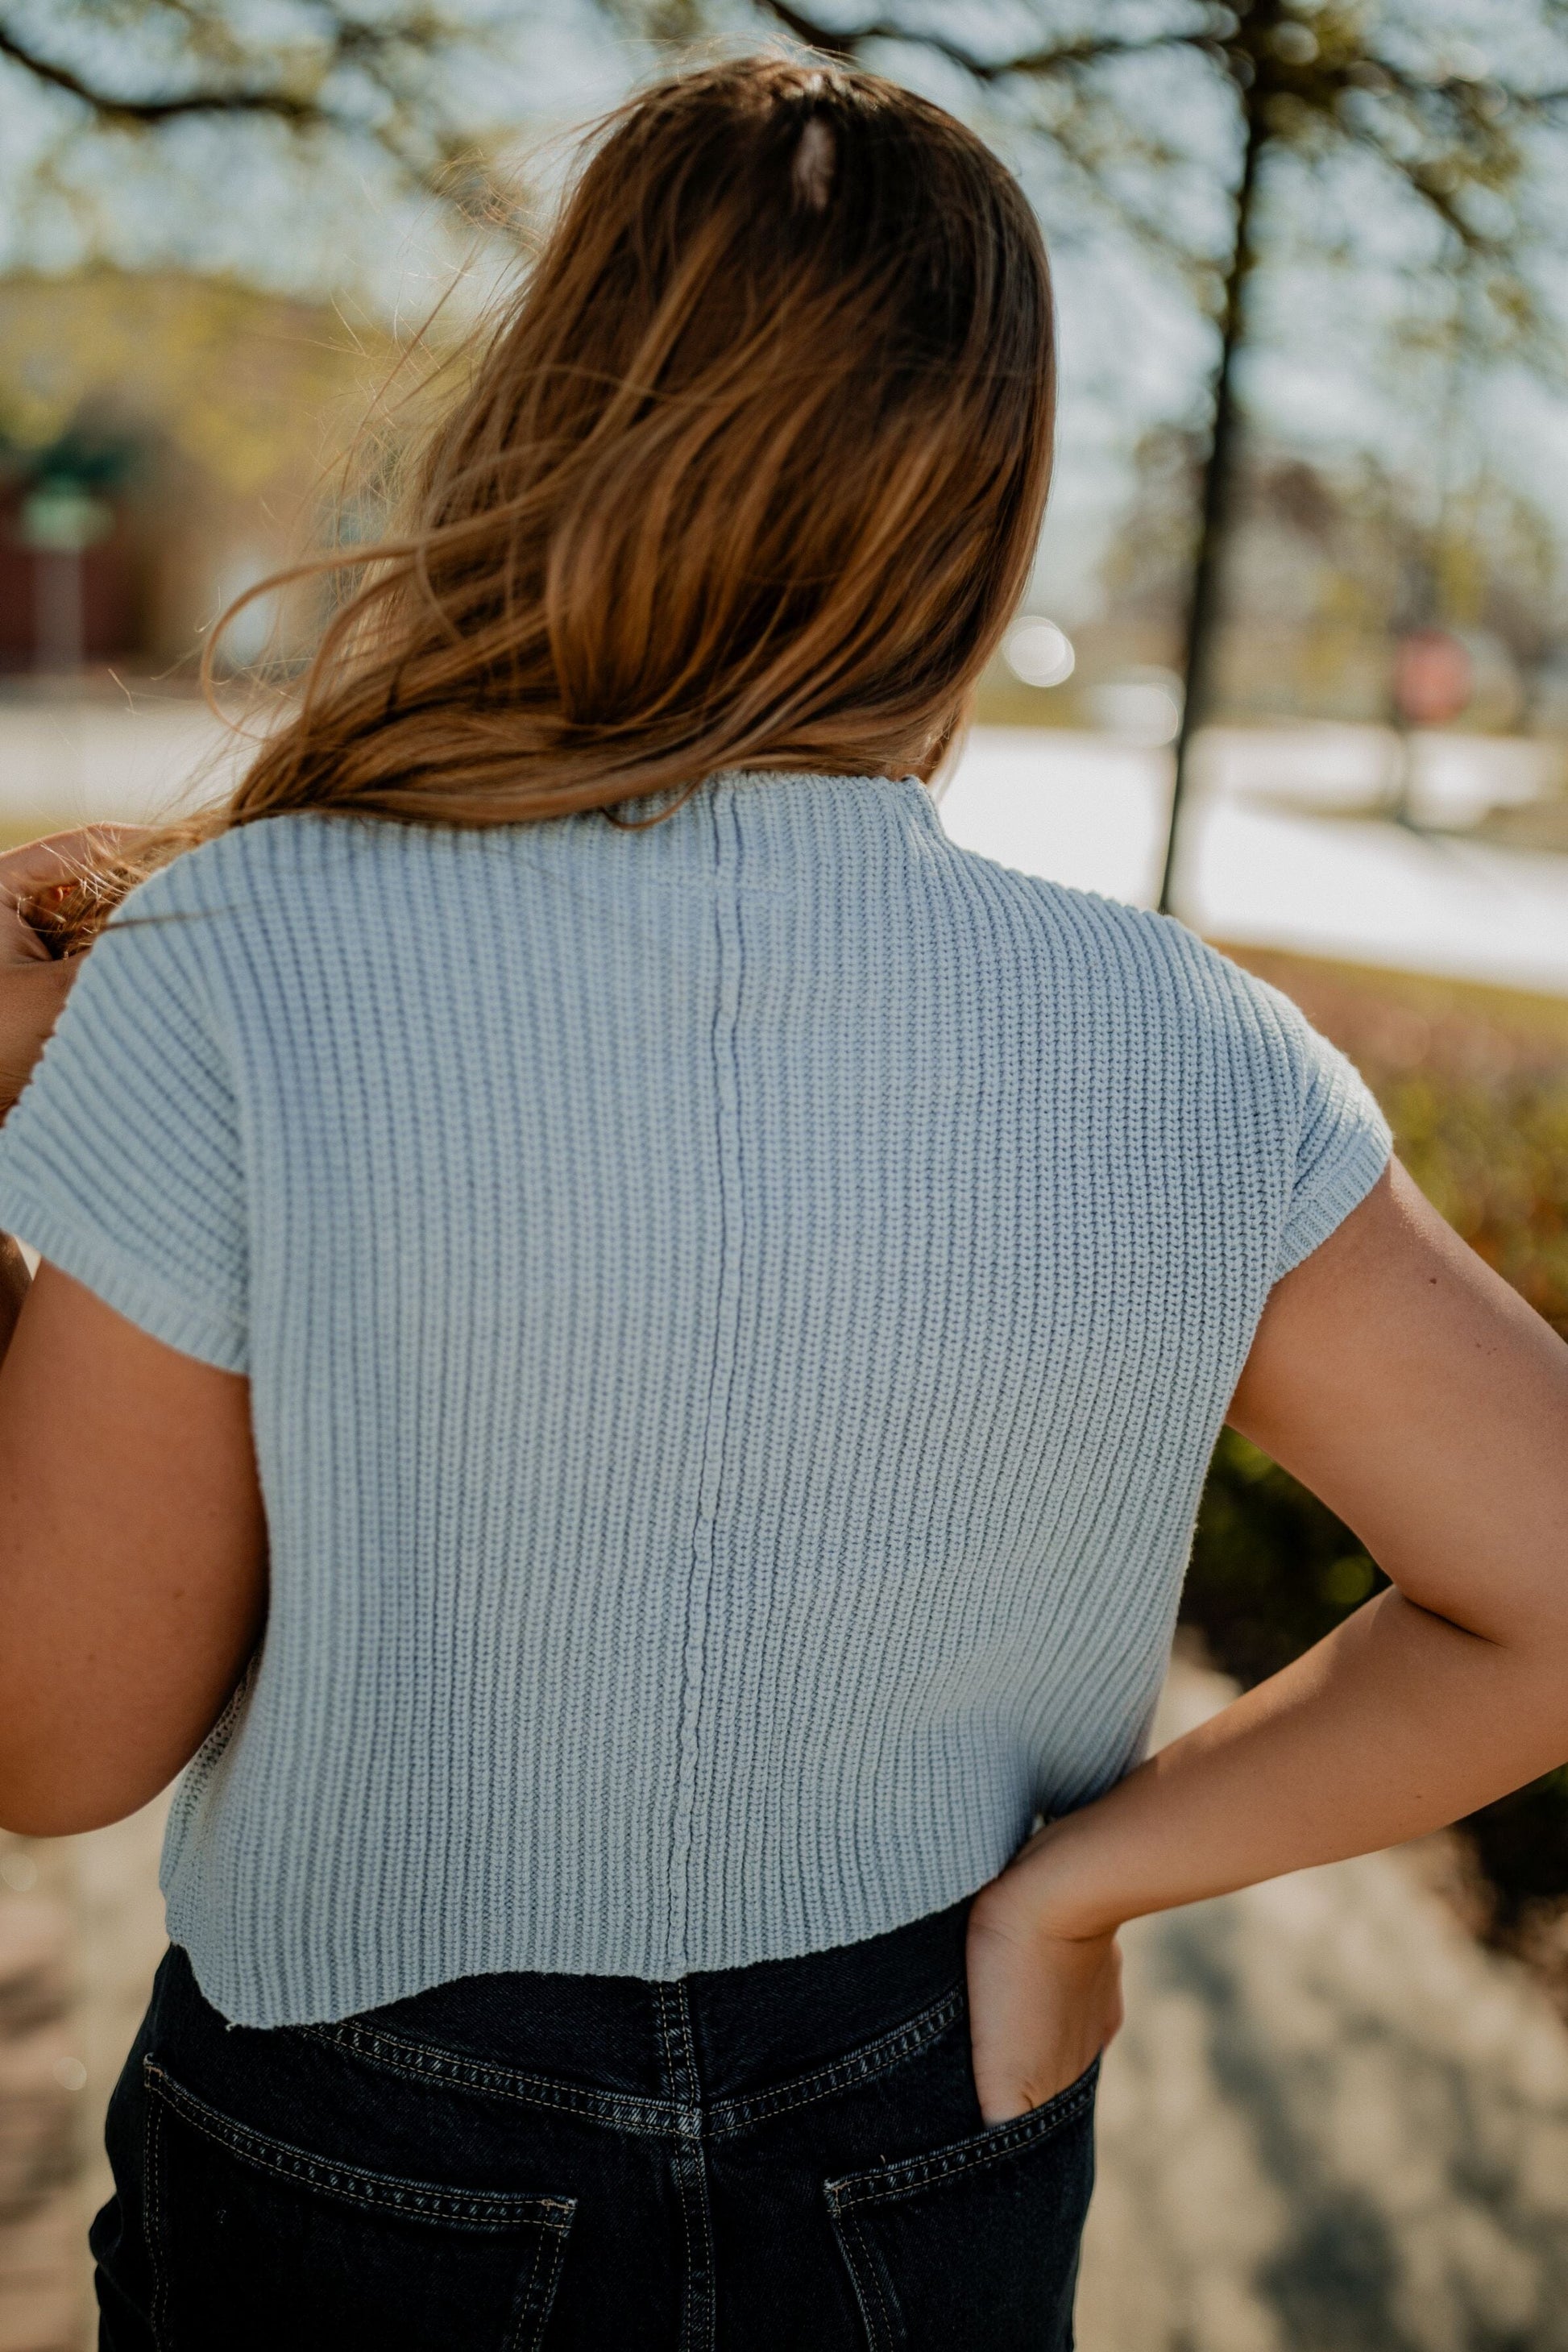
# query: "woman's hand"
33,984
1043,2000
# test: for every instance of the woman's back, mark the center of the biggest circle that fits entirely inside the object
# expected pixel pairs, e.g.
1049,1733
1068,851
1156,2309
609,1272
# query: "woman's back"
736,1311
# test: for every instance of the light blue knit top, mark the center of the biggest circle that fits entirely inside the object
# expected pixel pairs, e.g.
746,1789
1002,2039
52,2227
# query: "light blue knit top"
737,1314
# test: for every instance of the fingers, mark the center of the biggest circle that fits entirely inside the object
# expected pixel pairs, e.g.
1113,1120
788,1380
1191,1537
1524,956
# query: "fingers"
20,942
53,858
1040,2009
60,856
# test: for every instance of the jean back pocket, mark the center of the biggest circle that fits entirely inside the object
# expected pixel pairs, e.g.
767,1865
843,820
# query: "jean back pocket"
257,2245
975,2243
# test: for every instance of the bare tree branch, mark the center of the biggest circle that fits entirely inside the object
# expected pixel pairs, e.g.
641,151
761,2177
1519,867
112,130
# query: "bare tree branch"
1052,57
814,36
373,84
1309,83
117,107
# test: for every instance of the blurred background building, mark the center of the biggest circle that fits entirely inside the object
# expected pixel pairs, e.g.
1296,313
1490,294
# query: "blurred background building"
1293,663
164,443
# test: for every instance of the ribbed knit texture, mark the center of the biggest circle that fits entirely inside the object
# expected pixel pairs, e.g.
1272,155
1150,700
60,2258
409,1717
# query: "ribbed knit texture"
737,1314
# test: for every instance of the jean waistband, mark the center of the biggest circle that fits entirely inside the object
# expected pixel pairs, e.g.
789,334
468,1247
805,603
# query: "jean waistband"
725,2035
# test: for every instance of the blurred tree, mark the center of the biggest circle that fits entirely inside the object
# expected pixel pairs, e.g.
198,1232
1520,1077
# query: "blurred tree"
1182,118
393,80
1441,105
1337,549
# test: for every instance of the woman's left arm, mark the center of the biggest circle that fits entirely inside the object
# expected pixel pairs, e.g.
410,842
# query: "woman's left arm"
1402,1382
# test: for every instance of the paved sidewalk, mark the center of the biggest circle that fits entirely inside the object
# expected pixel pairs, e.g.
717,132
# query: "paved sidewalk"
1266,860
96,760
1331,2125
81,1930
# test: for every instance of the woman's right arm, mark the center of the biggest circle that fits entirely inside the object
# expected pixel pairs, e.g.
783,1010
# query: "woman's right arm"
1404,1382
132,1538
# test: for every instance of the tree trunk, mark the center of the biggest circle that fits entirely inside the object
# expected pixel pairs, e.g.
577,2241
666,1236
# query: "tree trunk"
1218,491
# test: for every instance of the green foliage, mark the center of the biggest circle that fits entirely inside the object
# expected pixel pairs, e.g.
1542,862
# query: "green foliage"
1273,1570
1475,1085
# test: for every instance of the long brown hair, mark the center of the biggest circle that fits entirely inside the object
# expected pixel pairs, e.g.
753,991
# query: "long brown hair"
750,478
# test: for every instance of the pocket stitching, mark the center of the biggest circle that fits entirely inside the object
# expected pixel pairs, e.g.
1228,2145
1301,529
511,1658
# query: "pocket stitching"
857,2066
880,2337
550,2249
427,2061
661,2004
352,2184
153,2222
912,2173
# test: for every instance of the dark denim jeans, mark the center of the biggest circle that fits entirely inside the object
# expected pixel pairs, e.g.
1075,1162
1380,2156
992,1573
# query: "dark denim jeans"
788,2157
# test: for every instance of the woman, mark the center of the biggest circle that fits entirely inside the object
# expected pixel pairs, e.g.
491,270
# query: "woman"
627,1341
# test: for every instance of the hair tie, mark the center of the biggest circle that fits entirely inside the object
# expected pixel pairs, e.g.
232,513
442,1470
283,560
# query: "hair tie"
811,175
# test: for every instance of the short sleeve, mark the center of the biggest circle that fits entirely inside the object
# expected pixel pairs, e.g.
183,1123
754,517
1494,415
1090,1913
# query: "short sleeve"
121,1163
1341,1140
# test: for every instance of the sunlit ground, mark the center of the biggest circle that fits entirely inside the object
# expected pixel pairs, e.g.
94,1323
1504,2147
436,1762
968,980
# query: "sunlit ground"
1284,845
1288,842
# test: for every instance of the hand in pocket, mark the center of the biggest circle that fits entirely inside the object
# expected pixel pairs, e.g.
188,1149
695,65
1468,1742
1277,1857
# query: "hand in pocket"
1042,2006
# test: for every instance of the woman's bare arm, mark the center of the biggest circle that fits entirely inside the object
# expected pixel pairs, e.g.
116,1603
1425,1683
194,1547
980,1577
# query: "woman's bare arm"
1406,1384
132,1543
133,1560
